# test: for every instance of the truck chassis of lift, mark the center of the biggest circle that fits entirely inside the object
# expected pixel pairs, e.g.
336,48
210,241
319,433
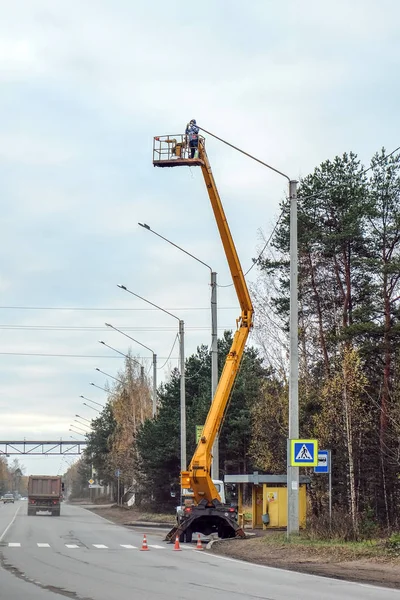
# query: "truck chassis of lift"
204,519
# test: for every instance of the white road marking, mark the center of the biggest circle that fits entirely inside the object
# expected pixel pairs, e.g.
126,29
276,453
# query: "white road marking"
9,525
128,546
14,545
43,545
100,546
156,547
71,546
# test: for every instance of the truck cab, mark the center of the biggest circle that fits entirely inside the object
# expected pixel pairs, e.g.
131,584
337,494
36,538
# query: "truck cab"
188,497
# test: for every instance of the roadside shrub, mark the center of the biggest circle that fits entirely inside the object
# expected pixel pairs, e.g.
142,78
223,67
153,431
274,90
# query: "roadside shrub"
392,545
340,529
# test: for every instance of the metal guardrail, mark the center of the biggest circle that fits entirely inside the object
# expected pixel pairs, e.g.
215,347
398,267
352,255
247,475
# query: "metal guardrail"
41,448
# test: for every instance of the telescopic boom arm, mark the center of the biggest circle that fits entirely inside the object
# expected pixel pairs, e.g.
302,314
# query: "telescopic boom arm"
198,475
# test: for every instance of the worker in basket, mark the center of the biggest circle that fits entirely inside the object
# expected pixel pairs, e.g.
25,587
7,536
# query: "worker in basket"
192,132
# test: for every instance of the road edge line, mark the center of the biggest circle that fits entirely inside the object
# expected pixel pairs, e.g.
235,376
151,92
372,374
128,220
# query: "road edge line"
313,575
9,525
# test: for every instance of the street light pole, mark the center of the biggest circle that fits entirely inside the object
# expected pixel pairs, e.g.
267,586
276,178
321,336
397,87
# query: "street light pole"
214,369
89,400
214,340
154,364
182,369
88,405
293,472
76,427
108,375
129,358
99,387
293,433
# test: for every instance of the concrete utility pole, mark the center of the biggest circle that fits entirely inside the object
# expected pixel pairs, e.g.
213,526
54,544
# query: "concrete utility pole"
183,392
182,369
293,472
214,338
142,371
214,368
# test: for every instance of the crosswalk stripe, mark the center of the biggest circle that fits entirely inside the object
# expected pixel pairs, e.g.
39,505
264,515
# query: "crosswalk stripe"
97,546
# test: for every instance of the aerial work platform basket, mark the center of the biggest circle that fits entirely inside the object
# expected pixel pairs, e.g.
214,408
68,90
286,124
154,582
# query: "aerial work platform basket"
175,151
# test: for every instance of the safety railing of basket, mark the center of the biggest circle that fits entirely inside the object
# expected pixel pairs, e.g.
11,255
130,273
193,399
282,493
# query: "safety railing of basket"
172,147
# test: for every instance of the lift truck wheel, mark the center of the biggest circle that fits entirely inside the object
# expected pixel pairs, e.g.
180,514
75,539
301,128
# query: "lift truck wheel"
189,536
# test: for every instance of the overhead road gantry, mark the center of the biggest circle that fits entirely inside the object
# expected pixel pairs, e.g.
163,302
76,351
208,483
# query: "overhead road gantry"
41,447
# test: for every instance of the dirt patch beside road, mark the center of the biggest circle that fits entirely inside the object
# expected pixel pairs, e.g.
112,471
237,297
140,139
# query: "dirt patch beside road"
124,516
362,563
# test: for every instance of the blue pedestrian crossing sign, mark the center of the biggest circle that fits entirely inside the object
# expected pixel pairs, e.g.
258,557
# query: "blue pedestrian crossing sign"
303,453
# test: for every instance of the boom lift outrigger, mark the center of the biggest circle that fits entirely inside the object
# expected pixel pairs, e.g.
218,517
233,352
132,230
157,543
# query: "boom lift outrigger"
208,514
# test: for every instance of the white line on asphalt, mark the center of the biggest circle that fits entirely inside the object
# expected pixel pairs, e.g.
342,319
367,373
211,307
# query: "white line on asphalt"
14,545
128,546
40,545
9,525
71,546
156,547
100,546
310,575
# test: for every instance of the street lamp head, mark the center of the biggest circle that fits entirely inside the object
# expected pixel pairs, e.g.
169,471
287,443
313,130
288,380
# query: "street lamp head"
144,225
123,287
81,396
101,342
97,369
91,383
108,325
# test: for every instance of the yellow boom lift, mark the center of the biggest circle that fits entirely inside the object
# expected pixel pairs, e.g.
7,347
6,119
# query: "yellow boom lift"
207,514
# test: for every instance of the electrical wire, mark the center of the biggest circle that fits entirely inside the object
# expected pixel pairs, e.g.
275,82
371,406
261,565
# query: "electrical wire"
107,309
256,260
288,178
172,349
70,355
334,187
99,328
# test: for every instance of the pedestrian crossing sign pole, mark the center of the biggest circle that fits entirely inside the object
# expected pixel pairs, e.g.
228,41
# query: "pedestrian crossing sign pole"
303,453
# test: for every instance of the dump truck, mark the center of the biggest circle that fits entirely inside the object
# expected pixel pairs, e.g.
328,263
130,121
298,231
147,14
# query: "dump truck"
44,494
208,511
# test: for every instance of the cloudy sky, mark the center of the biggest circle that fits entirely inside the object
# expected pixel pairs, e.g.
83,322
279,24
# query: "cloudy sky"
85,85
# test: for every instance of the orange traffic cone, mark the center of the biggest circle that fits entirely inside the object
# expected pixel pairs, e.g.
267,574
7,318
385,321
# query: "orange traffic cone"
177,546
144,544
199,545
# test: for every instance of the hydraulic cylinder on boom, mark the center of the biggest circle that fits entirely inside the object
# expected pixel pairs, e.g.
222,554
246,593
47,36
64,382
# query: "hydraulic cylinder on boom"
206,513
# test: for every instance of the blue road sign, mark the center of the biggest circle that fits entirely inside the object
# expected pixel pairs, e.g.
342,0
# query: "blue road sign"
117,473
323,462
303,453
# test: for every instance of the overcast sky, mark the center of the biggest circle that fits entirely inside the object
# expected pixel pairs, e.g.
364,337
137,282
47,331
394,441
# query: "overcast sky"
85,85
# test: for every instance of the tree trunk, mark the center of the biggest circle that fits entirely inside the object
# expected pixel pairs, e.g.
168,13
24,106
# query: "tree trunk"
321,333
349,443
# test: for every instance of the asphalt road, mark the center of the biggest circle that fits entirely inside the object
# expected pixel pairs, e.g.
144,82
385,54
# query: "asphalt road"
82,556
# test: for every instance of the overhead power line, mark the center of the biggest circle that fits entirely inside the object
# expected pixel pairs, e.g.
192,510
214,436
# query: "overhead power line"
329,188
75,355
99,328
83,308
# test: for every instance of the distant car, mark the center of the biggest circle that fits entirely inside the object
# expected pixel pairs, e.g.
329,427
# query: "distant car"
8,498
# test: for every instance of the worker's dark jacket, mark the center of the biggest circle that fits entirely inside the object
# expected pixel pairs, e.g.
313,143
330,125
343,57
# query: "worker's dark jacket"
193,132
